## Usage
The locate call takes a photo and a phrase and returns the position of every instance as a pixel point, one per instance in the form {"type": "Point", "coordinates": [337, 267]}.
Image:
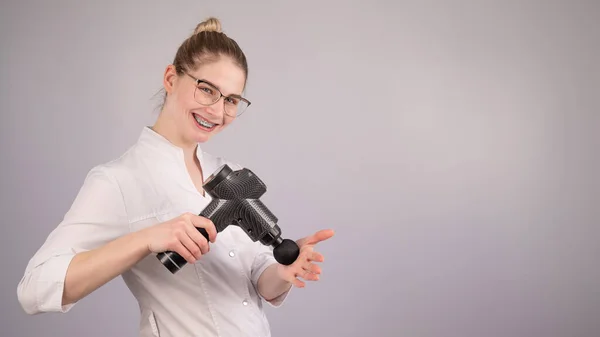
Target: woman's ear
{"type": "Point", "coordinates": [169, 78]}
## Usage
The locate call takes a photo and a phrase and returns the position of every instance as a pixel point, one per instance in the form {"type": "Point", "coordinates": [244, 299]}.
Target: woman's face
{"type": "Point", "coordinates": [192, 122]}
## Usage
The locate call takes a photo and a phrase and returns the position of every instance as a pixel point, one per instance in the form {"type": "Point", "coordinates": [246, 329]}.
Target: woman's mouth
{"type": "Point", "coordinates": [203, 123]}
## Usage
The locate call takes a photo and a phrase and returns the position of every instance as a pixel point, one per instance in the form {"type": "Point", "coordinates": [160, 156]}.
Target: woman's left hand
{"type": "Point", "coordinates": [304, 266]}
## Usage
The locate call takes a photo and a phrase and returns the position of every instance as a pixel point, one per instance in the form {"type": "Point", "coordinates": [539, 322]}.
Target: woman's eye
{"type": "Point", "coordinates": [231, 101]}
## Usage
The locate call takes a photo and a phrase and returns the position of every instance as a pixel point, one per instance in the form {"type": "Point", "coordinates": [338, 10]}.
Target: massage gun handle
{"type": "Point", "coordinates": [203, 232]}
{"type": "Point", "coordinates": [172, 260]}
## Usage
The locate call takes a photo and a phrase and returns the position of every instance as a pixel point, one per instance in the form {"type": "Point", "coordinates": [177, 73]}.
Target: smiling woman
{"type": "Point", "coordinates": [145, 201]}
{"type": "Point", "coordinates": [203, 86]}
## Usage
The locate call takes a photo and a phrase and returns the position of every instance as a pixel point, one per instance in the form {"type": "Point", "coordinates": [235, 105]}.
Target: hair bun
{"type": "Point", "coordinates": [211, 24]}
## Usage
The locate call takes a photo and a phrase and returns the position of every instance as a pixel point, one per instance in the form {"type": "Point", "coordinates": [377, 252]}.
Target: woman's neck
{"type": "Point", "coordinates": [169, 132]}
{"type": "Point", "coordinates": [167, 129]}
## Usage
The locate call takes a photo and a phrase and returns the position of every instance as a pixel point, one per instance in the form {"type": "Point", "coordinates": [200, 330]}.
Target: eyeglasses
{"type": "Point", "coordinates": [207, 94]}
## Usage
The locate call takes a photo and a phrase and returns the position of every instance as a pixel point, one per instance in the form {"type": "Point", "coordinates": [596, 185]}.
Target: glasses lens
{"type": "Point", "coordinates": [235, 107]}
{"type": "Point", "coordinates": [206, 94]}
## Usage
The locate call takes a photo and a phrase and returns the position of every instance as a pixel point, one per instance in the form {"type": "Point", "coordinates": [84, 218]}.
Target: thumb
{"type": "Point", "coordinates": [319, 236]}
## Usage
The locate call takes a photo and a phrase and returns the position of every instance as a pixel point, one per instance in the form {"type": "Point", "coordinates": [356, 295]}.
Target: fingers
{"type": "Point", "coordinates": [180, 249]}
{"type": "Point", "coordinates": [312, 268]}
{"type": "Point", "coordinates": [319, 236]}
{"type": "Point", "coordinates": [207, 224]}
{"type": "Point", "coordinates": [297, 283]}
{"type": "Point", "coordinates": [304, 268]}
{"type": "Point", "coordinates": [307, 270]}
{"type": "Point", "coordinates": [316, 256]}
{"type": "Point", "coordinates": [198, 238]}
{"type": "Point", "coordinates": [194, 248]}
{"type": "Point", "coordinates": [308, 273]}
{"type": "Point", "coordinates": [187, 240]}
{"type": "Point", "coordinates": [310, 276]}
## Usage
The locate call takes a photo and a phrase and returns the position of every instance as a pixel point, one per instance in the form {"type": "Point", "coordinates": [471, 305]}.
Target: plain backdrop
{"type": "Point", "coordinates": [452, 146]}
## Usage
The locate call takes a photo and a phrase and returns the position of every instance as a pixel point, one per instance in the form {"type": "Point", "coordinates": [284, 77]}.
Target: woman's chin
{"type": "Point", "coordinates": [201, 136]}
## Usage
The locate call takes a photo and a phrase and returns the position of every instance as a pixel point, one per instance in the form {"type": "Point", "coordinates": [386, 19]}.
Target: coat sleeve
{"type": "Point", "coordinates": [263, 258]}
{"type": "Point", "coordinates": [96, 216]}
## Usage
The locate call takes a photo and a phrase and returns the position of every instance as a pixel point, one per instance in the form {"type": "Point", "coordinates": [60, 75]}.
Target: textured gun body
{"type": "Point", "coordinates": [236, 201]}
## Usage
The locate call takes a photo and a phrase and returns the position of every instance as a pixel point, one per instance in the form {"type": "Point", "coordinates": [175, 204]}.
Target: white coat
{"type": "Point", "coordinates": [147, 185]}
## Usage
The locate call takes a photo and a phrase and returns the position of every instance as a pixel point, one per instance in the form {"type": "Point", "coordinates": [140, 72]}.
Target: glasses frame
{"type": "Point", "coordinates": [198, 81]}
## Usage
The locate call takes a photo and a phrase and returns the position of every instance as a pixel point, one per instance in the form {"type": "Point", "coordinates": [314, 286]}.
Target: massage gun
{"type": "Point", "coordinates": [236, 201]}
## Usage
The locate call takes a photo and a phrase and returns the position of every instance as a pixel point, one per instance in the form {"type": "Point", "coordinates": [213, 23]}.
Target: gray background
{"type": "Point", "coordinates": [452, 145]}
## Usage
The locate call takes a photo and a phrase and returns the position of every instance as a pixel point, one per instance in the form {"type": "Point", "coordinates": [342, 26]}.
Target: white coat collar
{"type": "Point", "coordinates": [161, 145]}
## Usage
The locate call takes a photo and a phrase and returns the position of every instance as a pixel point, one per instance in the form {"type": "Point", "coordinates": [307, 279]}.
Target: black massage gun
{"type": "Point", "coordinates": [235, 201]}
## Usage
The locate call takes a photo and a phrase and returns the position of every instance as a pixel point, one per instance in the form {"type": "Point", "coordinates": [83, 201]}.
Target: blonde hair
{"type": "Point", "coordinates": [211, 24]}
{"type": "Point", "coordinates": [207, 44]}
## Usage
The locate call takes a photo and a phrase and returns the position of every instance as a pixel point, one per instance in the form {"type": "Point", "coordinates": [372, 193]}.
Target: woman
{"type": "Point", "coordinates": [147, 201]}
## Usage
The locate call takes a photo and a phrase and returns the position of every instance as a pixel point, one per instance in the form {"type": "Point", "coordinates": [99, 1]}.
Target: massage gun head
{"type": "Point", "coordinates": [240, 193]}
{"type": "Point", "coordinates": [286, 252]}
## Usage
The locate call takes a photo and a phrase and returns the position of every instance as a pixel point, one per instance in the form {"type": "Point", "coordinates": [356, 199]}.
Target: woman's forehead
{"type": "Point", "coordinates": [224, 74]}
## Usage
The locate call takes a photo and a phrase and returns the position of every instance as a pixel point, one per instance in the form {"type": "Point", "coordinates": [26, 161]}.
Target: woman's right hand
{"type": "Point", "coordinates": [181, 235]}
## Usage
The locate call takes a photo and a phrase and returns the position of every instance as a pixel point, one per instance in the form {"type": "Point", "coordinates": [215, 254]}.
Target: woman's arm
{"type": "Point", "coordinates": [91, 269]}
{"type": "Point", "coordinates": [271, 285]}
{"type": "Point", "coordinates": [96, 217]}
{"type": "Point", "coordinates": [93, 244]}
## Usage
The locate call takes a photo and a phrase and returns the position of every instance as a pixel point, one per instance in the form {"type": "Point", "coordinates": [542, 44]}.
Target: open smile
{"type": "Point", "coordinates": [204, 124]}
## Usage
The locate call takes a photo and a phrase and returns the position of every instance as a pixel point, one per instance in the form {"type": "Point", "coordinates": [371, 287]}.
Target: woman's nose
{"type": "Point", "coordinates": [218, 108]}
